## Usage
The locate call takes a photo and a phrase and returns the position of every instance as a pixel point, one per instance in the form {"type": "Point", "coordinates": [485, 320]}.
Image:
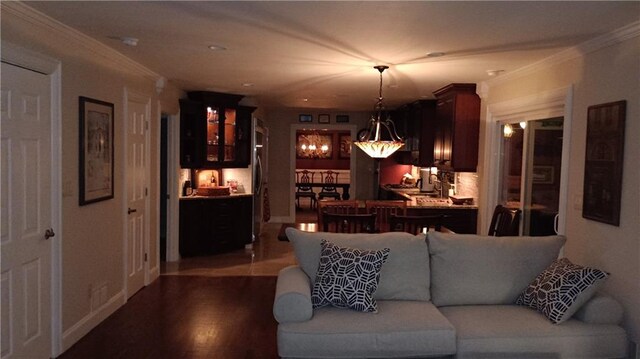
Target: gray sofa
{"type": "Point", "coordinates": [448, 296]}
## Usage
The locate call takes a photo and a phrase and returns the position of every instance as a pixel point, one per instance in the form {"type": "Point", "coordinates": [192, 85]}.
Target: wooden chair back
{"type": "Point", "coordinates": [329, 178]}
{"type": "Point", "coordinates": [505, 222]}
{"type": "Point", "coordinates": [383, 211]}
{"type": "Point", "coordinates": [415, 224]}
{"type": "Point", "coordinates": [303, 177]}
{"type": "Point", "coordinates": [336, 207]}
{"type": "Point", "coordinates": [348, 223]}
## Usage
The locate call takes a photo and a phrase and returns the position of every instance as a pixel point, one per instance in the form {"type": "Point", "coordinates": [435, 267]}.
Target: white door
{"type": "Point", "coordinates": [25, 196]}
{"type": "Point", "coordinates": [137, 164]}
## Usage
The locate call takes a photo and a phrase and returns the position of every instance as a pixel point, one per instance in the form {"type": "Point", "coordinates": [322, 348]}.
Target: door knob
{"type": "Point", "coordinates": [129, 211]}
{"type": "Point", "coordinates": [49, 233]}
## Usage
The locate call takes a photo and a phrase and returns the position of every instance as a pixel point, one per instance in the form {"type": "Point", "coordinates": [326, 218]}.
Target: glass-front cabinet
{"type": "Point", "coordinates": [214, 131]}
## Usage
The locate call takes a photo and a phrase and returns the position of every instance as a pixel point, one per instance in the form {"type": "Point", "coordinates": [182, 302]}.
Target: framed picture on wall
{"type": "Point", "coordinates": [314, 146]}
{"type": "Point", "coordinates": [96, 151]}
{"type": "Point", "coordinates": [345, 146]}
{"type": "Point", "coordinates": [603, 162]}
{"type": "Point", "coordinates": [323, 118]}
{"type": "Point", "coordinates": [342, 118]}
{"type": "Point", "coordinates": [305, 118]}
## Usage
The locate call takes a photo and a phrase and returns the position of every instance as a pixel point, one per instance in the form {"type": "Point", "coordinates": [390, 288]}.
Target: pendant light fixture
{"type": "Point", "coordinates": [373, 141]}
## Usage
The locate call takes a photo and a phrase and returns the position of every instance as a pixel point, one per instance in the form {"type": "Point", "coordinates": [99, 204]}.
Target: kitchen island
{"type": "Point", "coordinates": [460, 218]}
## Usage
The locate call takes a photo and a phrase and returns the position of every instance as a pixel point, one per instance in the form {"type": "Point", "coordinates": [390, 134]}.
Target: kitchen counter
{"type": "Point", "coordinates": [419, 199]}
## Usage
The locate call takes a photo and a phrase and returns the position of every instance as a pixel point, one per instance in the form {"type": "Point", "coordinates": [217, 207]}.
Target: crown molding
{"type": "Point", "coordinates": [55, 27]}
{"type": "Point", "coordinates": [614, 37]}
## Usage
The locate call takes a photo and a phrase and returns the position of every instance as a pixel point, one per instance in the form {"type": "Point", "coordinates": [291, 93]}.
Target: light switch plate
{"type": "Point", "coordinates": [577, 202]}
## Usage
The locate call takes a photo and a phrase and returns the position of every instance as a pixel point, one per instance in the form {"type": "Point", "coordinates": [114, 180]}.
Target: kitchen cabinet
{"type": "Point", "coordinates": [457, 128]}
{"type": "Point", "coordinates": [215, 131]}
{"type": "Point", "coordinates": [213, 225]}
{"type": "Point", "coordinates": [415, 123]}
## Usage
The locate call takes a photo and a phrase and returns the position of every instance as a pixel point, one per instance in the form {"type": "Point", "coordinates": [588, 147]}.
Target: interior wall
{"type": "Point", "coordinates": [91, 235]}
{"type": "Point", "coordinates": [606, 75]}
{"type": "Point", "coordinates": [279, 123]}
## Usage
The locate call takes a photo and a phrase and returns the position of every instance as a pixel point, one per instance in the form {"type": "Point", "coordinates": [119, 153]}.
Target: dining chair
{"type": "Point", "coordinates": [336, 207]}
{"type": "Point", "coordinates": [303, 189]}
{"type": "Point", "coordinates": [505, 222]}
{"type": "Point", "coordinates": [416, 224]}
{"type": "Point", "coordinates": [383, 210]}
{"type": "Point", "coordinates": [348, 223]}
{"type": "Point", "coordinates": [329, 179]}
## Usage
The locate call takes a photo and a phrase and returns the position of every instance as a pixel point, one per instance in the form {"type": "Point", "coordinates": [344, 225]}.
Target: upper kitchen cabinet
{"type": "Point", "coordinates": [415, 123]}
{"type": "Point", "coordinates": [215, 131]}
{"type": "Point", "coordinates": [457, 128]}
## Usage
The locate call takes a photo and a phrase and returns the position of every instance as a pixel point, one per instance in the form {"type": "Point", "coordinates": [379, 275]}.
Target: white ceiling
{"type": "Point", "coordinates": [324, 51]}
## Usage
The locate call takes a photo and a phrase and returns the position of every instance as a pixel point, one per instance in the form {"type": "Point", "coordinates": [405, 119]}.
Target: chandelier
{"type": "Point", "coordinates": [313, 146]}
{"type": "Point", "coordinates": [372, 141]}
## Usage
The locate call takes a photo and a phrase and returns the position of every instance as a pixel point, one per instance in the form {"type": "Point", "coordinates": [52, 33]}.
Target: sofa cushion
{"type": "Point", "coordinates": [471, 269]}
{"type": "Point", "coordinates": [561, 289]}
{"type": "Point", "coordinates": [347, 277]}
{"type": "Point", "coordinates": [404, 276]}
{"type": "Point", "coordinates": [400, 329]}
{"type": "Point", "coordinates": [511, 331]}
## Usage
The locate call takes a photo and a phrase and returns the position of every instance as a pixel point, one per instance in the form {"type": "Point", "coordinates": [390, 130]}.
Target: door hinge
{"type": "Point", "coordinates": [146, 125]}
{"type": "Point", "coordinates": [146, 191]}
{"type": "Point", "coordinates": [146, 257]}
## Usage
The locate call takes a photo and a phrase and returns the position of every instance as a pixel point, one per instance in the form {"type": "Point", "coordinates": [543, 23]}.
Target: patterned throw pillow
{"type": "Point", "coordinates": [347, 277]}
{"type": "Point", "coordinates": [561, 289]}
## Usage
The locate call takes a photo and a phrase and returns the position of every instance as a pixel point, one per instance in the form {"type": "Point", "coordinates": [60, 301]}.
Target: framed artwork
{"type": "Point", "coordinates": [603, 162]}
{"type": "Point", "coordinates": [345, 146]}
{"type": "Point", "coordinates": [305, 118]}
{"type": "Point", "coordinates": [543, 174]}
{"type": "Point", "coordinates": [323, 118]}
{"type": "Point", "coordinates": [342, 118]}
{"type": "Point", "coordinates": [96, 150]}
{"type": "Point", "coordinates": [314, 146]}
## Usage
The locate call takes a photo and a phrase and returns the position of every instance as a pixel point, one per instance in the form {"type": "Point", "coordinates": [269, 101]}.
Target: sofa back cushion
{"type": "Point", "coordinates": [476, 270]}
{"type": "Point", "coordinates": [404, 276]}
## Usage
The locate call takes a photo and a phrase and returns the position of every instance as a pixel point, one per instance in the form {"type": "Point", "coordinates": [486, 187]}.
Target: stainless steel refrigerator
{"type": "Point", "coordinates": [260, 167]}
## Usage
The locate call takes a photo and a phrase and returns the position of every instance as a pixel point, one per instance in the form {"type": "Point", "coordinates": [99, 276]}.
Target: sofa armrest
{"type": "Point", "coordinates": [293, 296]}
{"type": "Point", "coordinates": [600, 309]}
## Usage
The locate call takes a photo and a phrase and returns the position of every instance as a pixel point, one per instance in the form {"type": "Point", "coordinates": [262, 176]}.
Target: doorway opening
{"type": "Point", "coordinates": [530, 172]}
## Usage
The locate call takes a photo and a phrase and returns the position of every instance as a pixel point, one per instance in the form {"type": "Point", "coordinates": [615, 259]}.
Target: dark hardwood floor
{"type": "Point", "coordinates": [189, 317]}
{"type": "Point", "coordinates": [204, 307]}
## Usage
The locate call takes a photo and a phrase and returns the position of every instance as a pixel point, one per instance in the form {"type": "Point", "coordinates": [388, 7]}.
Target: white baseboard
{"type": "Point", "coordinates": [154, 273]}
{"type": "Point", "coordinates": [91, 320]}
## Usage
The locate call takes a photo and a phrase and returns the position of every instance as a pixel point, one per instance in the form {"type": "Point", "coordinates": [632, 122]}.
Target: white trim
{"type": "Point", "coordinates": [614, 37]}
{"type": "Point", "coordinates": [154, 272]}
{"type": "Point", "coordinates": [51, 67]}
{"type": "Point", "coordinates": [554, 103]}
{"type": "Point", "coordinates": [292, 161]}
{"type": "Point", "coordinates": [76, 38]}
{"type": "Point", "coordinates": [173, 186]}
{"type": "Point", "coordinates": [83, 326]}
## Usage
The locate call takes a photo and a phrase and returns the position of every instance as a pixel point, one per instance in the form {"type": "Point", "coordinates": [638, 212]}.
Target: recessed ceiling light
{"type": "Point", "coordinates": [247, 84]}
{"type": "Point", "coordinates": [494, 72]}
{"type": "Point", "coordinates": [305, 100]}
{"type": "Point", "coordinates": [129, 41]}
{"type": "Point", "coordinates": [217, 48]}
{"type": "Point", "coordinates": [435, 54]}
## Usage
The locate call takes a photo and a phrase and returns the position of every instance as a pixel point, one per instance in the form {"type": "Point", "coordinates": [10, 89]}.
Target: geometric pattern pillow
{"type": "Point", "coordinates": [347, 278]}
{"type": "Point", "coordinates": [561, 289]}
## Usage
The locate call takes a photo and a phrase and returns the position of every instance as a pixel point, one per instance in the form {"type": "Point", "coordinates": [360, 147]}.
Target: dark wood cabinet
{"type": "Point", "coordinates": [215, 131]}
{"type": "Point", "coordinates": [459, 220]}
{"type": "Point", "coordinates": [457, 128]}
{"type": "Point", "coordinates": [214, 225]}
{"type": "Point", "coordinates": [415, 123]}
